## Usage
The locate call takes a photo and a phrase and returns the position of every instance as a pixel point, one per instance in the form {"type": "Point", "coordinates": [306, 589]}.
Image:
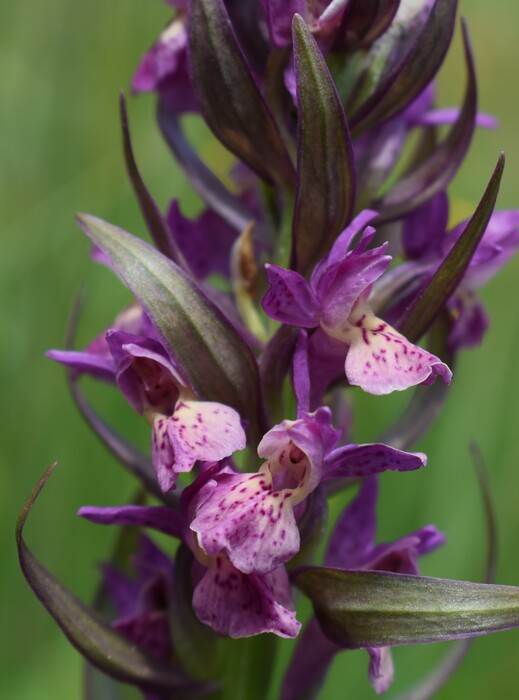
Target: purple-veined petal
{"type": "Point", "coordinates": [380, 669]}
{"type": "Point", "coordinates": [279, 14]}
{"type": "Point", "coordinates": [449, 115]}
{"type": "Point", "coordinates": [326, 362]}
{"type": "Point", "coordinates": [162, 454]}
{"type": "Point", "coordinates": [365, 460]}
{"type": "Point", "coordinates": [353, 536]}
{"type": "Point", "coordinates": [204, 430]}
{"type": "Point", "coordinates": [149, 630]}
{"type": "Point", "coordinates": [290, 298]}
{"type": "Point", "coordinates": [345, 282]}
{"type": "Point", "coordinates": [312, 657]}
{"type": "Point", "coordinates": [312, 434]}
{"type": "Point", "coordinates": [160, 518]}
{"type": "Point", "coordinates": [145, 374]}
{"type": "Point", "coordinates": [97, 366]}
{"type": "Point", "coordinates": [237, 605]}
{"type": "Point", "coordinates": [301, 375]}
{"type": "Point", "coordinates": [424, 228]}
{"type": "Point", "coordinates": [248, 521]}
{"type": "Point", "coordinates": [206, 241]}
{"type": "Point", "coordinates": [469, 321]}
{"type": "Point", "coordinates": [381, 360]}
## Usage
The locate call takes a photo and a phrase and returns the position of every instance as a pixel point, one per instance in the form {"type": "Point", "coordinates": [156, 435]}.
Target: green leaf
{"type": "Point", "coordinates": [155, 221]}
{"type": "Point", "coordinates": [232, 103]}
{"type": "Point", "coordinates": [429, 303]}
{"type": "Point", "coordinates": [436, 171]}
{"type": "Point", "coordinates": [325, 196]}
{"type": "Point", "coordinates": [211, 354]}
{"type": "Point", "coordinates": [92, 636]}
{"type": "Point", "coordinates": [192, 640]}
{"type": "Point", "coordinates": [359, 609]}
{"type": "Point", "coordinates": [413, 73]}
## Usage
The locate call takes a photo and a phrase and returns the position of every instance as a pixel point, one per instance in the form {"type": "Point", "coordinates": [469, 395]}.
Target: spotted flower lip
{"type": "Point", "coordinates": [231, 602]}
{"type": "Point", "coordinates": [250, 517]}
{"type": "Point", "coordinates": [378, 358]}
{"type": "Point", "coordinates": [184, 430]}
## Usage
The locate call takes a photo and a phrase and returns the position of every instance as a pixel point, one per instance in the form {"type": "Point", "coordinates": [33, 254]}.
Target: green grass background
{"type": "Point", "coordinates": [63, 63]}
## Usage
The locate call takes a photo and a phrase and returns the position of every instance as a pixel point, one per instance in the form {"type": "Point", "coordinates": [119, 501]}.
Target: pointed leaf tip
{"type": "Point", "coordinates": [429, 303]}
{"type": "Point", "coordinates": [325, 197]}
{"type": "Point", "coordinates": [231, 100]}
{"type": "Point", "coordinates": [92, 636]}
{"type": "Point", "coordinates": [155, 221]}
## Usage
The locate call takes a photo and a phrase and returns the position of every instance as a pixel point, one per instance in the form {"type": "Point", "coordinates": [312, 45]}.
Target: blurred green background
{"type": "Point", "coordinates": [63, 63]}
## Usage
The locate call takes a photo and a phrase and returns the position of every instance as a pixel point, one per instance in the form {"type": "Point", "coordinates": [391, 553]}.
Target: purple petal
{"type": "Point", "coordinates": [300, 374]}
{"type": "Point", "coordinates": [365, 460]}
{"type": "Point", "coordinates": [148, 630]}
{"type": "Point", "coordinates": [206, 241]}
{"type": "Point", "coordinates": [312, 657]}
{"type": "Point", "coordinates": [312, 434]}
{"type": "Point", "coordinates": [241, 605]}
{"type": "Point", "coordinates": [380, 360]}
{"type": "Point", "coordinates": [342, 285]}
{"type": "Point", "coordinates": [145, 374]}
{"type": "Point", "coordinates": [326, 362]}
{"type": "Point", "coordinates": [158, 518]}
{"type": "Point", "coordinates": [424, 229]}
{"type": "Point", "coordinates": [290, 298]}
{"type": "Point", "coordinates": [204, 430]}
{"type": "Point", "coordinates": [343, 243]}
{"type": "Point", "coordinates": [279, 14]}
{"type": "Point", "coordinates": [380, 670]}
{"type": "Point", "coordinates": [438, 117]}
{"type": "Point", "coordinates": [353, 536]}
{"type": "Point", "coordinates": [123, 591]}
{"type": "Point", "coordinates": [500, 241]}
{"type": "Point", "coordinates": [401, 556]}
{"type": "Point", "coordinates": [469, 324]}
{"type": "Point", "coordinates": [162, 455]}
{"type": "Point", "coordinates": [85, 363]}
{"type": "Point", "coordinates": [244, 518]}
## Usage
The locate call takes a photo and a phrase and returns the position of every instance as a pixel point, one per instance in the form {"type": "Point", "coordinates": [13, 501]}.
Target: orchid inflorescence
{"type": "Point", "coordinates": [312, 276]}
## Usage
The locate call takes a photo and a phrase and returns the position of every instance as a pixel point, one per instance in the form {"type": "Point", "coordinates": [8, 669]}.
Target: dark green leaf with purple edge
{"type": "Point", "coordinates": [436, 172]}
{"type": "Point", "coordinates": [412, 74]}
{"type": "Point", "coordinates": [92, 636]}
{"type": "Point", "coordinates": [432, 299]}
{"type": "Point", "coordinates": [325, 197]}
{"type": "Point", "coordinates": [232, 103]}
{"type": "Point", "coordinates": [366, 20]}
{"type": "Point", "coordinates": [155, 221]}
{"type": "Point", "coordinates": [217, 363]}
{"type": "Point", "coordinates": [360, 609]}
{"type": "Point", "coordinates": [204, 181]}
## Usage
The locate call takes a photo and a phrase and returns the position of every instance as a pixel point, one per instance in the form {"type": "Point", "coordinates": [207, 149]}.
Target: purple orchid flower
{"type": "Point", "coordinates": [427, 242]}
{"type": "Point", "coordinates": [141, 602]}
{"type": "Point", "coordinates": [378, 358]}
{"type": "Point", "coordinates": [253, 518]}
{"type": "Point", "coordinates": [352, 547]}
{"type": "Point", "coordinates": [231, 602]}
{"type": "Point", "coordinates": [164, 68]}
{"type": "Point", "coordinates": [184, 430]}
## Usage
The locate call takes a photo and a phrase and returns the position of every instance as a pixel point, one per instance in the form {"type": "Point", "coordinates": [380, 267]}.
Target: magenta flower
{"type": "Point", "coordinates": [378, 358]}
